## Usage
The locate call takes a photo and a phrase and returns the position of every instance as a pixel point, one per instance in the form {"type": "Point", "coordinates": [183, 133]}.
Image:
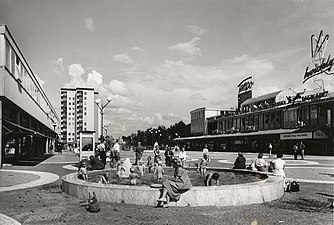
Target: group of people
{"type": "Point", "coordinates": [299, 149]}
{"type": "Point", "coordinates": [276, 166]}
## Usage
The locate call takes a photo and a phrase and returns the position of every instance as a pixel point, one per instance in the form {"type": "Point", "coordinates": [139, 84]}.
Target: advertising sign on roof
{"type": "Point", "coordinates": [245, 85]}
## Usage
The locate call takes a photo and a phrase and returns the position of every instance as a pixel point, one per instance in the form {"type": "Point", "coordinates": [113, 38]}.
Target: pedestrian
{"type": "Point", "coordinates": [149, 163]}
{"type": "Point", "coordinates": [240, 162]}
{"type": "Point", "coordinates": [102, 152]}
{"type": "Point", "coordinates": [302, 149]}
{"type": "Point", "coordinates": [138, 152]}
{"type": "Point", "coordinates": [116, 151]}
{"type": "Point", "coordinates": [278, 166]}
{"type": "Point", "coordinates": [202, 165]}
{"type": "Point", "coordinates": [206, 152]}
{"type": "Point", "coordinates": [270, 146]}
{"type": "Point", "coordinates": [157, 154]}
{"type": "Point", "coordinates": [174, 188]}
{"type": "Point", "coordinates": [159, 171]}
{"type": "Point", "coordinates": [96, 163]}
{"type": "Point", "coordinates": [260, 163]}
{"type": "Point", "coordinates": [82, 173]}
{"type": "Point", "coordinates": [133, 176]}
{"type": "Point", "coordinates": [169, 154]}
{"type": "Point", "coordinates": [295, 151]}
{"type": "Point", "coordinates": [183, 156]}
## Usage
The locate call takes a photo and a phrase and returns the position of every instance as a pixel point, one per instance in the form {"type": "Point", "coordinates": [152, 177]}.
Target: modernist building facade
{"type": "Point", "coordinates": [78, 113]}
{"type": "Point", "coordinates": [276, 118]}
{"type": "Point", "coordinates": [27, 117]}
{"type": "Point", "coordinates": [199, 125]}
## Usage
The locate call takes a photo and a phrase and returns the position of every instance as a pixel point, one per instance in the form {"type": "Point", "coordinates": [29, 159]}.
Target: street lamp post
{"type": "Point", "coordinates": [101, 108]}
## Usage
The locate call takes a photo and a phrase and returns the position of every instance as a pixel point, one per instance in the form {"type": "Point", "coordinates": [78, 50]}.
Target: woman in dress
{"type": "Point", "coordinates": [174, 188]}
{"type": "Point", "coordinates": [279, 165]}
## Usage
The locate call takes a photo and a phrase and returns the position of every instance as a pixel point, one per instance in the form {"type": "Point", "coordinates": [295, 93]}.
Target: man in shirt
{"type": "Point", "coordinates": [138, 152]}
{"type": "Point", "coordinates": [116, 149]}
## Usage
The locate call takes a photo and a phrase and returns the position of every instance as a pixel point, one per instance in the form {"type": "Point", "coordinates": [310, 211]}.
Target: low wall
{"type": "Point", "coordinates": [227, 195]}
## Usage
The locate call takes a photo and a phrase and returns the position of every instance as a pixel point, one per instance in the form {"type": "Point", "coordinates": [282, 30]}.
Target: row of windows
{"type": "Point", "coordinates": [15, 66]}
{"type": "Point", "coordinates": [310, 115]}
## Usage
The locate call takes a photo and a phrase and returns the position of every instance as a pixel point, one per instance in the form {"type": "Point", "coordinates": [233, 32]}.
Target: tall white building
{"type": "Point", "coordinates": [78, 113]}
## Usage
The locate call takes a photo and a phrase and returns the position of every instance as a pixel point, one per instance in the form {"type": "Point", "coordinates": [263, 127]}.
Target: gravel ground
{"type": "Point", "coordinates": [49, 205]}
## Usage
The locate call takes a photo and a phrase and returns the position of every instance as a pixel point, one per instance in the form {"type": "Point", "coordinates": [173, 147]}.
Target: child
{"type": "Point", "coordinates": [141, 167]}
{"type": "Point", "coordinates": [133, 176]}
{"type": "Point", "coordinates": [149, 164]}
{"type": "Point", "coordinates": [159, 170]}
{"type": "Point", "coordinates": [119, 169]}
{"type": "Point", "coordinates": [210, 177]}
{"type": "Point", "coordinates": [82, 173]}
{"type": "Point", "coordinates": [105, 178]}
{"type": "Point", "coordinates": [202, 165]}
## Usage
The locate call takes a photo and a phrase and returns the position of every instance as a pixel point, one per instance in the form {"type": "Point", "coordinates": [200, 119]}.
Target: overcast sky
{"type": "Point", "coordinates": [159, 60]}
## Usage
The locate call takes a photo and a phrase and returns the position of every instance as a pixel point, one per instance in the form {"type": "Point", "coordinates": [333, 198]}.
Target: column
{"type": "Point", "coordinates": [1, 144]}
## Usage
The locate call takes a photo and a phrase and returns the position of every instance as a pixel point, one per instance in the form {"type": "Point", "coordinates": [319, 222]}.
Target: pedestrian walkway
{"type": "Point", "coordinates": [12, 178]}
{"type": "Point", "coordinates": [21, 182]}
{"type": "Point", "coordinates": [6, 220]}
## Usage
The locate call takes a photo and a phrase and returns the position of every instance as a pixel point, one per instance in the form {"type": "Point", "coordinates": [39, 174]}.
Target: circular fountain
{"type": "Point", "coordinates": [261, 188]}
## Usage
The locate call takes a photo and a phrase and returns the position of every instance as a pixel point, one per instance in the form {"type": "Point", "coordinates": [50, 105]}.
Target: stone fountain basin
{"type": "Point", "coordinates": [258, 192]}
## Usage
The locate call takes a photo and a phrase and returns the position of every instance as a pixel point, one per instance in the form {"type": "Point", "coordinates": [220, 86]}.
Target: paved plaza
{"type": "Point", "coordinates": [32, 195]}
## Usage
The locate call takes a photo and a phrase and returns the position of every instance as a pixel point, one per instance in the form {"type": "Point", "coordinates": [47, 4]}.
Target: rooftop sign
{"type": "Point", "coordinates": [245, 85]}
{"type": "Point", "coordinates": [321, 65]}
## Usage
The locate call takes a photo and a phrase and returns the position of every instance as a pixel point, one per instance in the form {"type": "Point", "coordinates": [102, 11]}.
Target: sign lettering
{"type": "Point", "coordinates": [293, 136]}
{"type": "Point", "coordinates": [245, 85]}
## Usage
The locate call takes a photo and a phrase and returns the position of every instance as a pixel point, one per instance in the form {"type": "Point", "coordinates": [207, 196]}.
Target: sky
{"type": "Point", "coordinates": [160, 59]}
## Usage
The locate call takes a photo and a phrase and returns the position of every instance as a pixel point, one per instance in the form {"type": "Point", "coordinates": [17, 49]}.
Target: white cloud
{"type": "Point", "coordinates": [136, 48]}
{"type": "Point", "coordinates": [75, 70]}
{"type": "Point", "coordinates": [89, 24]}
{"type": "Point", "coordinates": [190, 48]}
{"type": "Point", "coordinates": [58, 65]}
{"type": "Point", "coordinates": [122, 58]}
{"type": "Point", "coordinates": [198, 31]}
{"type": "Point", "coordinates": [118, 87]}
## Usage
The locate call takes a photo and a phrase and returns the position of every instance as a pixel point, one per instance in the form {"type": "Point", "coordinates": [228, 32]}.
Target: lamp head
{"type": "Point", "coordinates": [109, 99]}
{"type": "Point", "coordinates": [98, 101]}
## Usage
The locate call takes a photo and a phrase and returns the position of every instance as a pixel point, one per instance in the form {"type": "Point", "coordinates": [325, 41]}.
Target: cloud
{"type": "Point", "coordinates": [198, 31]}
{"type": "Point", "coordinates": [122, 58]}
{"type": "Point", "coordinates": [118, 87]}
{"type": "Point", "coordinates": [117, 90]}
{"type": "Point", "coordinates": [89, 24]}
{"type": "Point", "coordinates": [58, 65]}
{"type": "Point", "coordinates": [76, 70]}
{"type": "Point", "coordinates": [138, 49]}
{"type": "Point", "coordinates": [190, 48]}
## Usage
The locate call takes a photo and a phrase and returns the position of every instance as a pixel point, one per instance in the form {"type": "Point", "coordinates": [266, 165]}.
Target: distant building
{"type": "Point", "coordinates": [27, 118]}
{"type": "Point", "coordinates": [199, 117]}
{"type": "Point", "coordinates": [78, 113]}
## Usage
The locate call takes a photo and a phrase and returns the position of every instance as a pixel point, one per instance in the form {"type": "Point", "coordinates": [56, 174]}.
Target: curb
{"type": "Point", "coordinates": [8, 220]}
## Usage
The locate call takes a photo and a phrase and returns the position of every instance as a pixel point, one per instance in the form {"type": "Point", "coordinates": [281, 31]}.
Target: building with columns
{"type": "Point", "coordinates": [27, 118]}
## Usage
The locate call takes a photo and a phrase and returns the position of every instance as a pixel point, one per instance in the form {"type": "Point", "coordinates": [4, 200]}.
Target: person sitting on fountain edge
{"type": "Point", "coordinates": [240, 162]}
{"type": "Point", "coordinates": [174, 188]}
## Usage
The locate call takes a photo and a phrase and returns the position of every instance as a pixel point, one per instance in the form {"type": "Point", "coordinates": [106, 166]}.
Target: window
{"type": "Point", "coordinates": [266, 118]}
{"type": "Point", "coordinates": [8, 56]}
{"type": "Point", "coordinates": [314, 112]}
